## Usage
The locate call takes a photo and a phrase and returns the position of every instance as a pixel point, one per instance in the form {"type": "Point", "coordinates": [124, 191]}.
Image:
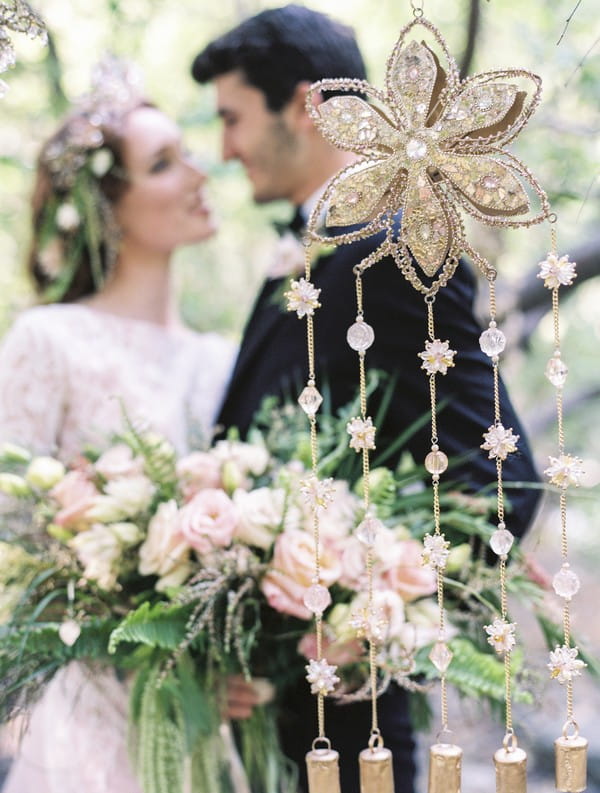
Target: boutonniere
{"type": "Point", "coordinates": [288, 262]}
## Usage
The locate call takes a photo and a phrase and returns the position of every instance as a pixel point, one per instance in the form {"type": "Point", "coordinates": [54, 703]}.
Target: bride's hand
{"type": "Point", "coordinates": [243, 696]}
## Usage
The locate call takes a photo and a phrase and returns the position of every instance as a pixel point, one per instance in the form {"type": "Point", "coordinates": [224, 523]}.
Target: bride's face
{"type": "Point", "coordinates": [164, 205]}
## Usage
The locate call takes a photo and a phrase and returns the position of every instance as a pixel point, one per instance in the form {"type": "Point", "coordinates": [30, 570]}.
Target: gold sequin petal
{"type": "Point", "coordinates": [350, 123]}
{"type": "Point", "coordinates": [476, 108]}
{"type": "Point", "coordinates": [488, 184]}
{"type": "Point", "coordinates": [411, 79]}
{"type": "Point", "coordinates": [427, 230]}
{"type": "Point", "coordinates": [360, 192]}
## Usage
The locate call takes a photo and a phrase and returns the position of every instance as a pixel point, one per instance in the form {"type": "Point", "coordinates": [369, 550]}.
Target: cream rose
{"type": "Point", "coordinates": [98, 550]}
{"type": "Point", "coordinates": [75, 494]}
{"type": "Point", "coordinates": [260, 514]}
{"type": "Point", "coordinates": [44, 472]}
{"type": "Point", "coordinates": [404, 572]}
{"type": "Point", "coordinates": [209, 520]}
{"type": "Point", "coordinates": [119, 461]}
{"type": "Point", "coordinates": [198, 471]}
{"type": "Point", "coordinates": [165, 552]}
{"type": "Point", "coordinates": [292, 569]}
{"type": "Point", "coordinates": [246, 458]}
{"type": "Point", "coordinates": [125, 497]}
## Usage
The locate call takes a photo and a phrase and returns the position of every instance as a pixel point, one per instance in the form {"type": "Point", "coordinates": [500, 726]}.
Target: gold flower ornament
{"type": "Point", "coordinates": [429, 146]}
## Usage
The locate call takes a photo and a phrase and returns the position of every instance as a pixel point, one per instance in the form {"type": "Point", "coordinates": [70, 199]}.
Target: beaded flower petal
{"type": "Point", "coordinates": [430, 145]}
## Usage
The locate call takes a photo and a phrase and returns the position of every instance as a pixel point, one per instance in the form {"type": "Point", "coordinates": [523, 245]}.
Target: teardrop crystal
{"type": "Point", "coordinates": [317, 598]}
{"type": "Point", "coordinates": [310, 400]}
{"type": "Point", "coordinates": [440, 656]}
{"type": "Point", "coordinates": [368, 529]}
{"type": "Point", "coordinates": [69, 632]}
{"type": "Point", "coordinates": [501, 541]}
{"type": "Point", "coordinates": [556, 371]}
{"type": "Point", "coordinates": [492, 341]}
{"type": "Point", "coordinates": [566, 582]}
{"type": "Point", "coordinates": [360, 336]}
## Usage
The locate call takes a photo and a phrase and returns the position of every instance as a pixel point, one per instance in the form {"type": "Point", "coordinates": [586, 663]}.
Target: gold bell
{"type": "Point", "coordinates": [511, 767]}
{"type": "Point", "coordinates": [570, 752]}
{"type": "Point", "coordinates": [322, 765]}
{"type": "Point", "coordinates": [376, 770]}
{"type": "Point", "coordinates": [444, 768]}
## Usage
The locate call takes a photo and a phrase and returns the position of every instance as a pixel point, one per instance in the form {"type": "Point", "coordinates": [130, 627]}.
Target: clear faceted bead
{"type": "Point", "coordinates": [436, 462]}
{"type": "Point", "coordinates": [317, 598]}
{"type": "Point", "coordinates": [556, 371]}
{"type": "Point", "coordinates": [566, 583]}
{"type": "Point", "coordinates": [310, 400]}
{"type": "Point", "coordinates": [492, 341]}
{"type": "Point", "coordinates": [440, 656]}
{"type": "Point", "coordinates": [501, 541]}
{"type": "Point", "coordinates": [368, 529]}
{"type": "Point", "coordinates": [360, 336]}
{"type": "Point", "coordinates": [416, 149]}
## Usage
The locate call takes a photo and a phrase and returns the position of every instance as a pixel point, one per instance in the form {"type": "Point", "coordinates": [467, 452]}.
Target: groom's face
{"type": "Point", "coordinates": [265, 142]}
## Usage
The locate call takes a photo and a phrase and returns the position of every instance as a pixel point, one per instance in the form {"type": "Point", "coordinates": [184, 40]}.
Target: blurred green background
{"type": "Point", "coordinates": [218, 279]}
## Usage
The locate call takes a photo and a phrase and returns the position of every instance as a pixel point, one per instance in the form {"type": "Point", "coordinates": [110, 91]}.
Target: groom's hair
{"type": "Point", "coordinates": [281, 47]}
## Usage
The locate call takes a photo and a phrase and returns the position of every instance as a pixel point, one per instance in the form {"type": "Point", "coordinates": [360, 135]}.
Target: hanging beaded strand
{"type": "Point", "coordinates": [445, 758]}
{"type": "Point", "coordinates": [375, 762]}
{"type": "Point", "coordinates": [322, 762]}
{"type": "Point", "coordinates": [564, 471]}
{"type": "Point", "coordinates": [510, 760]}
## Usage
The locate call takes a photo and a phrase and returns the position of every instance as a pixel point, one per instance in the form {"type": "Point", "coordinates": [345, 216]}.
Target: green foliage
{"type": "Point", "coordinates": [159, 625]}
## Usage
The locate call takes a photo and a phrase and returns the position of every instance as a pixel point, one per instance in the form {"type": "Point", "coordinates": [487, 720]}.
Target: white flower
{"type": "Point", "coordinates": [260, 514]}
{"type": "Point", "coordinates": [249, 458]}
{"type": "Point", "coordinates": [499, 442]}
{"type": "Point", "coordinates": [98, 550]}
{"type": "Point", "coordinates": [564, 664]}
{"type": "Point", "coordinates": [101, 162]}
{"type": "Point", "coordinates": [67, 217]}
{"type": "Point", "coordinates": [127, 533]}
{"type": "Point", "coordinates": [321, 676]}
{"type": "Point", "coordinates": [44, 472]}
{"type": "Point", "coordinates": [557, 272]}
{"type": "Point", "coordinates": [437, 357]}
{"type": "Point", "coordinates": [165, 552]}
{"type": "Point", "coordinates": [288, 257]}
{"type": "Point", "coordinates": [501, 635]}
{"type": "Point", "coordinates": [13, 485]}
{"type": "Point", "coordinates": [51, 258]}
{"type": "Point", "coordinates": [565, 470]}
{"type": "Point", "coordinates": [302, 298]}
{"type": "Point", "coordinates": [317, 493]}
{"type": "Point", "coordinates": [362, 433]}
{"type": "Point", "coordinates": [124, 497]}
{"type": "Point", "coordinates": [435, 551]}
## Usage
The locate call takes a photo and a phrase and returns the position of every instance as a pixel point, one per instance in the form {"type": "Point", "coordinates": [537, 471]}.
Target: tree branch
{"type": "Point", "coordinates": [472, 31]}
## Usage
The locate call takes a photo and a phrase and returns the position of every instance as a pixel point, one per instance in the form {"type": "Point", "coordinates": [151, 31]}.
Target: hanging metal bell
{"type": "Point", "coordinates": [376, 769]}
{"type": "Point", "coordinates": [322, 765]}
{"type": "Point", "coordinates": [570, 753]}
{"type": "Point", "coordinates": [511, 767]}
{"type": "Point", "coordinates": [445, 761]}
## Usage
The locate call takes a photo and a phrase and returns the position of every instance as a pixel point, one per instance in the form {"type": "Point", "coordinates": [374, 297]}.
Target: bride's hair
{"type": "Point", "coordinates": [80, 175]}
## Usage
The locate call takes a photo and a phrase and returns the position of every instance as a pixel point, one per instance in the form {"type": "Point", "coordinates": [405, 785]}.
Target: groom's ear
{"type": "Point", "coordinates": [296, 107]}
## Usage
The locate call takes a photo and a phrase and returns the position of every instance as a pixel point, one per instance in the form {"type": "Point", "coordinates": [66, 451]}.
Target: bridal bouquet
{"type": "Point", "coordinates": [180, 572]}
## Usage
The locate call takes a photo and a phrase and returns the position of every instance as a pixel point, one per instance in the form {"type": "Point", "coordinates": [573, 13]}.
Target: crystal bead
{"type": "Point", "coordinates": [492, 341]}
{"type": "Point", "coordinates": [367, 530]}
{"type": "Point", "coordinates": [353, 198]}
{"type": "Point", "coordinates": [436, 462]}
{"type": "Point", "coordinates": [501, 541]}
{"type": "Point", "coordinates": [69, 632]}
{"type": "Point", "coordinates": [440, 656]}
{"type": "Point", "coordinates": [317, 598]}
{"type": "Point", "coordinates": [310, 400]}
{"type": "Point", "coordinates": [416, 149]}
{"type": "Point", "coordinates": [490, 182]}
{"type": "Point", "coordinates": [360, 336]}
{"type": "Point", "coordinates": [556, 371]}
{"type": "Point", "coordinates": [566, 583]}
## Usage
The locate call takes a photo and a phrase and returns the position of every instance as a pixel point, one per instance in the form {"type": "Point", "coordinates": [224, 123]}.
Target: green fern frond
{"type": "Point", "coordinates": [159, 625]}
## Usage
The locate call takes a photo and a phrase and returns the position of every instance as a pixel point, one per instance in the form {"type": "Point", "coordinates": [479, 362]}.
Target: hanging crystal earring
{"type": "Point", "coordinates": [70, 630]}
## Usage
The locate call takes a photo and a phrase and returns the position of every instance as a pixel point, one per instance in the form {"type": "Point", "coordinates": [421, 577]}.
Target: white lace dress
{"type": "Point", "coordinates": [67, 372]}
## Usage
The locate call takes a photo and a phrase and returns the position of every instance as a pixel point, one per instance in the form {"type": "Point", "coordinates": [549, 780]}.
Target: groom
{"type": "Point", "coordinates": [261, 70]}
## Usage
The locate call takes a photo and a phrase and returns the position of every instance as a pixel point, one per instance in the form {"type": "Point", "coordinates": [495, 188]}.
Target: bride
{"type": "Point", "coordinates": [116, 193]}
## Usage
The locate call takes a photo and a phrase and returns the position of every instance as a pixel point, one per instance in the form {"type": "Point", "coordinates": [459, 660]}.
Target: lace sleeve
{"type": "Point", "coordinates": [32, 385]}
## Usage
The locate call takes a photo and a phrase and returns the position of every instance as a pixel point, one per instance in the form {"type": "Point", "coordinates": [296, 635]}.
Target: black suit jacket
{"type": "Point", "coordinates": [273, 361]}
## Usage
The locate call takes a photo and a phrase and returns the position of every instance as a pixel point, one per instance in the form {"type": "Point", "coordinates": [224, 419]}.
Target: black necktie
{"type": "Point", "coordinates": [297, 223]}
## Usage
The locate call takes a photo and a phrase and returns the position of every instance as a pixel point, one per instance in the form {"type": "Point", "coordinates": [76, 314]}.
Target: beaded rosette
{"type": "Point", "coordinates": [430, 148]}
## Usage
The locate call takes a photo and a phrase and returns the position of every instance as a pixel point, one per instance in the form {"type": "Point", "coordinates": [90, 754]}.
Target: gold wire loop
{"type": "Point", "coordinates": [417, 8]}
{"type": "Point", "coordinates": [376, 740]}
{"type": "Point", "coordinates": [321, 739]}
{"type": "Point", "coordinates": [570, 723]}
{"type": "Point", "coordinates": [552, 217]}
{"type": "Point", "coordinates": [510, 741]}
